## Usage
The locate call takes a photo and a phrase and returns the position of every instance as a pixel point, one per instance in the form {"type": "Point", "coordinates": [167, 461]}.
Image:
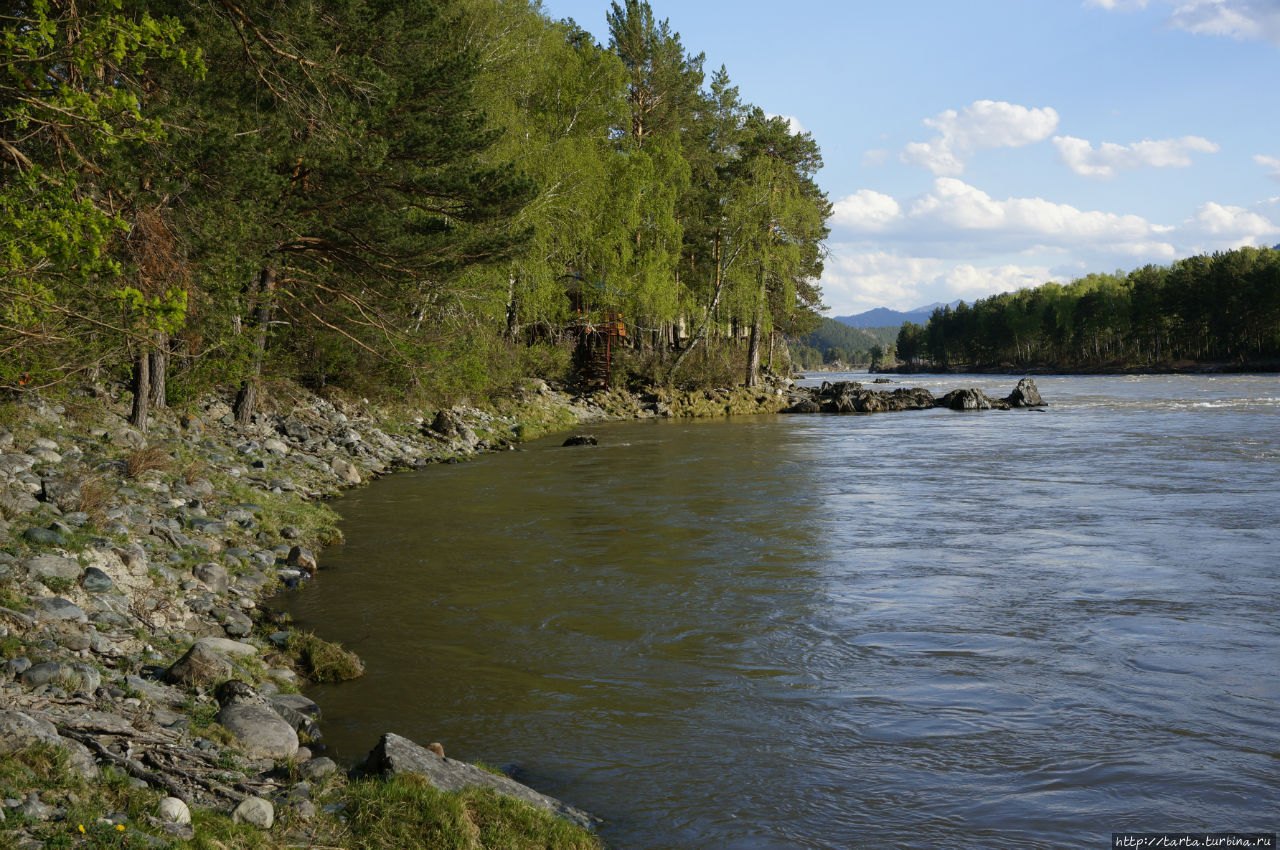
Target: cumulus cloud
{"type": "Point", "coordinates": [1269, 162]}
{"type": "Point", "coordinates": [957, 241]}
{"type": "Point", "coordinates": [1245, 20]}
{"type": "Point", "coordinates": [1109, 158]}
{"type": "Point", "coordinates": [983, 124]}
{"type": "Point", "coordinates": [856, 280]}
{"type": "Point", "coordinates": [865, 210]}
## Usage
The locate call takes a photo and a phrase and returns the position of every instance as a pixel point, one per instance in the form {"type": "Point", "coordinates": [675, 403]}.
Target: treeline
{"type": "Point", "coordinates": [1207, 308]}
{"type": "Point", "coordinates": [380, 194]}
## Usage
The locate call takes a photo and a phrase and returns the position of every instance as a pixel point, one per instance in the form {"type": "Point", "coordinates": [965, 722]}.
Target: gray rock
{"type": "Point", "coordinates": [302, 558]}
{"type": "Point", "coordinates": [32, 808]}
{"type": "Point", "coordinates": [396, 755]}
{"type": "Point", "coordinates": [214, 576]}
{"type": "Point", "coordinates": [57, 608]}
{"type": "Point", "coordinates": [133, 556]}
{"type": "Point", "coordinates": [255, 811]}
{"type": "Point", "coordinates": [87, 675]}
{"type": "Point", "coordinates": [1026, 394]}
{"type": "Point", "coordinates": [235, 623]}
{"type": "Point", "coordinates": [52, 566]}
{"type": "Point", "coordinates": [19, 731]}
{"type": "Point", "coordinates": [207, 526]}
{"type": "Point", "coordinates": [305, 809]}
{"type": "Point", "coordinates": [43, 674]}
{"type": "Point", "coordinates": [17, 502]}
{"type": "Point", "coordinates": [80, 759]}
{"type": "Point", "coordinates": [317, 768]}
{"type": "Point", "coordinates": [95, 580]}
{"type": "Point", "coordinates": [201, 666]}
{"type": "Point", "coordinates": [298, 703]}
{"type": "Point", "coordinates": [297, 430]}
{"type": "Point", "coordinates": [966, 399]}
{"type": "Point", "coordinates": [345, 470]}
{"type": "Point", "coordinates": [581, 440]}
{"type": "Point", "coordinates": [17, 666]}
{"type": "Point", "coordinates": [44, 537]}
{"type": "Point", "coordinates": [62, 492]}
{"type": "Point", "coordinates": [227, 647]}
{"type": "Point", "coordinates": [14, 463]}
{"type": "Point", "coordinates": [259, 731]}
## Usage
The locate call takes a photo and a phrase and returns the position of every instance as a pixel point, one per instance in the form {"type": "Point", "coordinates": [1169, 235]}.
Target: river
{"type": "Point", "coordinates": [1022, 628]}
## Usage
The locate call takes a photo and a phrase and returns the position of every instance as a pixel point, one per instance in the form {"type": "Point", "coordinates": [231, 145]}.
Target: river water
{"type": "Point", "coordinates": [1019, 629]}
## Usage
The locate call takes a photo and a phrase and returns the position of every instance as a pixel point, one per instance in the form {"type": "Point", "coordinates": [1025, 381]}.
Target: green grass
{"type": "Point", "coordinates": [322, 661]}
{"type": "Point", "coordinates": [407, 813]}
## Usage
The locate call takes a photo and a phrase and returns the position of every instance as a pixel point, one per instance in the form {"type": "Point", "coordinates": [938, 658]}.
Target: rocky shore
{"type": "Point", "coordinates": [149, 696]}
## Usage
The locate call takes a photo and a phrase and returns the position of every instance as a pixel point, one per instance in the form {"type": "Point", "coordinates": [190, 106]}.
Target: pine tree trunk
{"type": "Point", "coordinates": [247, 398]}
{"type": "Point", "coordinates": [141, 391]}
{"type": "Point", "coordinates": [159, 358]}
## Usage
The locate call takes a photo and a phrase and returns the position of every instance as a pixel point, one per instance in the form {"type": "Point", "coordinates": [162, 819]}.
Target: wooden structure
{"type": "Point", "coordinates": [599, 331]}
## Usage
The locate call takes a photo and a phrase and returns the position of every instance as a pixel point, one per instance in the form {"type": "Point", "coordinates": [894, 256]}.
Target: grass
{"type": "Point", "coordinates": [407, 813]}
{"type": "Point", "coordinates": [323, 661]}
{"type": "Point", "coordinates": [139, 461]}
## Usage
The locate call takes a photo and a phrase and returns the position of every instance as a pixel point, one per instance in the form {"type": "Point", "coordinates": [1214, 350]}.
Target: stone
{"type": "Point", "coordinates": [258, 730]}
{"type": "Point", "coordinates": [581, 440]}
{"type": "Point", "coordinates": [45, 567]}
{"type": "Point", "coordinates": [43, 674]}
{"type": "Point", "coordinates": [1026, 394]}
{"type": "Point", "coordinates": [19, 731]}
{"type": "Point", "coordinates": [276, 447]}
{"type": "Point", "coordinates": [227, 646]}
{"type": "Point", "coordinates": [236, 624]}
{"type": "Point", "coordinates": [396, 755]}
{"type": "Point", "coordinates": [201, 666]}
{"type": "Point", "coordinates": [214, 576]}
{"type": "Point", "coordinates": [255, 811]}
{"type": "Point", "coordinates": [14, 463]}
{"type": "Point", "coordinates": [173, 810]}
{"type": "Point", "coordinates": [345, 470]}
{"type": "Point", "coordinates": [61, 492]}
{"type": "Point", "coordinates": [297, 702]}
{"type": "Point", "coordinates": [85, 676]}
{"type": "Point", "coordinates": [317, 768]}
{"type": "Point", "coordinates": [95, 580]}
{"type": "Point", "coordinates": [302, 558]}
{"type": "Point", "coordinates": [297, 430]}
{"type": "Point", "coordinates": [79, 759]}
{"type": "Point", "coordinates": [966, 399]}
{"type": "Point", "coordinates": [57, 608]}
{"type": "Point", "coordinates": [43, 536]}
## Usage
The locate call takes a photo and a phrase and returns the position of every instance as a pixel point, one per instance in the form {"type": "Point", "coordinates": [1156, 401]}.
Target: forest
{"type": "Point", "coordinates": [1221, 308]}
{"type": "Point", "coordinates": [425, 198]}
{"type": "Point", "coordinates": [835, 345]}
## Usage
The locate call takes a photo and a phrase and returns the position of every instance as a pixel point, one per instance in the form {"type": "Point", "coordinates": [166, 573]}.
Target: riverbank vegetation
{"type": "Point", "coordinates": [425, 198]}
{"type": "Point", "coordinates": [1222, 308]}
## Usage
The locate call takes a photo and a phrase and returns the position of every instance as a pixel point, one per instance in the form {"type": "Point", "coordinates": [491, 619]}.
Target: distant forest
{"type": "Point", "coordinates": [1218, 308]}
{"type": "Point", "coordinates": [835, 344]}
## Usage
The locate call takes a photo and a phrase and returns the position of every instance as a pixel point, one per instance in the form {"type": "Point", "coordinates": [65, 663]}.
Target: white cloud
{"type": "Point", "coordinates": [1244, 20]}
{"type": "Point", "coordinates": [955, 204]}
{"type": "Point", "coordinates": [981, 125]}
{"type": "Point", "coordinates": [865, 210]}
{"type": "Point", "coordinates": [793, 123]}
{"type": "Point", "coordinates": [1103, 162]}
{"type": "Point", "coordinates": [957, 241]}
{"type": "Point", "coordinates": [1230, 226]}
{"type": "Point", "coordinates": [878, 156]}
{"type": "Point", "coordinates": [1270, 162]}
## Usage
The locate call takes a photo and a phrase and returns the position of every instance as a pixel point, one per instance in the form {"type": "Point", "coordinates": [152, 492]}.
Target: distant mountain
{"type": "Point", "coordinates": [882, 317]}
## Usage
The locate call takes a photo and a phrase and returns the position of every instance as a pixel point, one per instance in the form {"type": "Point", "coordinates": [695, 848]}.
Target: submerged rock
{"type": "Point", "coordinates": [581, 440]}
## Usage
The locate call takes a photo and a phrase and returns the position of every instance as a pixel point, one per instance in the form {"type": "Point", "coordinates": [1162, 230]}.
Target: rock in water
{"type": "Point", "coordinates": [396, 755]}
{"type": "Point", "coordinates": [1026, 394]}
{"type": "Point", "coordinates": [581, 440]}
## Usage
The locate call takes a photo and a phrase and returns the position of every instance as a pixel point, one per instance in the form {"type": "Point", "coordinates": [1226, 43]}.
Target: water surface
{"type": "Point", "coordinates": [832, 631]}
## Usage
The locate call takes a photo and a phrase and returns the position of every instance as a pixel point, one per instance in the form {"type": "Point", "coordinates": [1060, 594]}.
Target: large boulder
{"type": "Point", "coordinates": [396, 755]}
{"type": "Point", "coordinates": [966, 399]}
{"type": "Point", "coordinates": [201, 666]}
{"type": "Point", "coordinates": [258, 729]}
{"type": "Point", "coordinates": [52, 566]}
{"type": "Point", "coordinates": [19, 731]}
{"type": "Point", "coordinates": [1026, 394]}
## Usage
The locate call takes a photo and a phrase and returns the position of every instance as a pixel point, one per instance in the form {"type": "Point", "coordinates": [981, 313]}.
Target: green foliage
{"type": "Point", "coordinates": [323, 661]}
{"type": "Point", "coordinates": [1224, 306]}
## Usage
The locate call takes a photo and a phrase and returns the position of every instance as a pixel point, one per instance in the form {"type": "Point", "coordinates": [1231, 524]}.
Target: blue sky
{"type": "Point", "coordinates": [977, 147]}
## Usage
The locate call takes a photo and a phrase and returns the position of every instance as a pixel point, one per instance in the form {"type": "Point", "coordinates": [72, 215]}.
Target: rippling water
{"type": "Point", "coordinates": [1028, 628]}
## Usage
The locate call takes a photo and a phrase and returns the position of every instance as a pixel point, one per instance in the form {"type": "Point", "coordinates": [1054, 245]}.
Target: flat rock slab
{"type": "Point", "coordinates": [227, 646]}
{"type": "Point", "coordinates": [395, 755]}
{"type": "Point", "coordinates": [52, 566]}
{"type": "Point", "coordinates": [259, 730]}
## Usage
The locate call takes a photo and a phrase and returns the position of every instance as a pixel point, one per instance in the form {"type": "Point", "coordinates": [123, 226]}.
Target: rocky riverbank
{"type": "Point", "coordinates": [149, 696]}
{"type": "Point", "coordinates": [853, 397]}
{"type": "Point", "coordinates": [143, 675]}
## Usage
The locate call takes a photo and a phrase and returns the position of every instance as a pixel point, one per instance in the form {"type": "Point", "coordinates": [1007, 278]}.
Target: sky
{"type": "Point", "coordinates": [978, 147]}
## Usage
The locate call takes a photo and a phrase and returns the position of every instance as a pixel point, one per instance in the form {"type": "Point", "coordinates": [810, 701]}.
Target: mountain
{"type": "Point", "coordinates": [882, 317]}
